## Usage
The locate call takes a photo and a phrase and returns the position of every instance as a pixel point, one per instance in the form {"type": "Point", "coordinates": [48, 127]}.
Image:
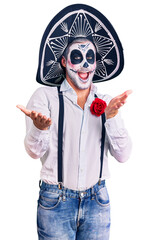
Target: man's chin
{"type": "Point", "coordinates": [84, 81]}
{"type": "Point", "coordinates": [83, 84]}
{"type": "Point", "coordinates": [80, 83]}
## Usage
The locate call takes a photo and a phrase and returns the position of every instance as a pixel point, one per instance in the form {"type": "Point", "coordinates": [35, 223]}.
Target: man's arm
{"type": "Point", "coordinates": [37, 123]}
{"type": "Point", "coordinates": [39, 120]}
{"type": "Point", "coordinates": [119, 141]}
{"type": "Point", "coordinates": [117, 102]}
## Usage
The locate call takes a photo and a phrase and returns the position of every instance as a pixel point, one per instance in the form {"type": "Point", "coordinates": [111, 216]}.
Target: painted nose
{"type": "Point", "coordinates": [85, 65]}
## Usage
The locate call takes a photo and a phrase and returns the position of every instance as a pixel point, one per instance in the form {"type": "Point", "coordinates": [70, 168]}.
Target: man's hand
{"type": "Point", "coordinates": [117, 102]}
{"type": "Point", "coordinates": [39, 120]}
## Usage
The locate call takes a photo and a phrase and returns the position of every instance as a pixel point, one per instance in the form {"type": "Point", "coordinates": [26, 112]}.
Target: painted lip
{"type": "Point", "coordinates": [83, 75]}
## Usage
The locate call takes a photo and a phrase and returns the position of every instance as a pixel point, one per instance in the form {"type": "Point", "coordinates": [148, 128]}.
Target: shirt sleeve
{"type": "Point", "coordinates": [37, 141]}
{"type": "Point", "coordinates": [120, 144]}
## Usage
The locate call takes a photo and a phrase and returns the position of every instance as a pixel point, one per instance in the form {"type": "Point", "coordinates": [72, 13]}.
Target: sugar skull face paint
{"type": "Point", "coordinates": [81, 64]}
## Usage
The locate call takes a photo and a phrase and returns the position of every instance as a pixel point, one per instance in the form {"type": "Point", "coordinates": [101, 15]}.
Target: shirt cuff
{"type": "Point", "coordinates": [115, 123]}
{"type": "Point", "coordinates": [37, 133]}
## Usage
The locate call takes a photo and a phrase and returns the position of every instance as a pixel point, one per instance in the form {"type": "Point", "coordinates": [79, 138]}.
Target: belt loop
{"type": "Point", "coordinates": [64, 196]}
{"type": "Point", "coordinates": [40, 183]}
{"type": "Point", "coordinates": [92, 193]}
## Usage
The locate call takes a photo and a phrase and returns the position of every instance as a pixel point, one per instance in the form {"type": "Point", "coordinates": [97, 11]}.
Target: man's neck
{"type": "Point", "coordinates": [81, 93]}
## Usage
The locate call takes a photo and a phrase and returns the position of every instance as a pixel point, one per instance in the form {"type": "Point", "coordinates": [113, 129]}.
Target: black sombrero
{"type": "Point", "coordinates": [73, 22]}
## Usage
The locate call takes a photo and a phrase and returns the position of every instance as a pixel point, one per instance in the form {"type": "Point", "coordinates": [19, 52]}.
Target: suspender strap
{"type": "Point", "coordinates": [103, 118]}
{"type": "Point", "coordinates": [60, 137]}
{"type": "Point", "coordinates": [102, 144]}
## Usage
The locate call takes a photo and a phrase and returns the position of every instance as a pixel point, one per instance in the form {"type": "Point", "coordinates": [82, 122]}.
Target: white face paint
{"type": "Point", "coordinates": [81, 64]}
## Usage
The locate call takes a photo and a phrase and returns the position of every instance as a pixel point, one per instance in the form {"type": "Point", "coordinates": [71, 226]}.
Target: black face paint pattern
{"type": "Point", "coordinates": [76, 57]}
{"type": "Point", "coordinates": [90, 56]}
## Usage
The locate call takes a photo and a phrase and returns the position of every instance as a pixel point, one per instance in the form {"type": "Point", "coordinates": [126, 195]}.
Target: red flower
{"type": "Point", "coordinates": [98, 107]}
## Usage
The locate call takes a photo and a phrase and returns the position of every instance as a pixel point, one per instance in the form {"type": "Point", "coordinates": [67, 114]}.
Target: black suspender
{"type": "Point", "coordinates": [60, 140]}
{"type": "Point", "coordinates": [103, 118]}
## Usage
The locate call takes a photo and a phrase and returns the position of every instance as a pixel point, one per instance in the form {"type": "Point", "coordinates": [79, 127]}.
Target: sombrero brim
{"type": "Point", "coordinates": [73, 22]}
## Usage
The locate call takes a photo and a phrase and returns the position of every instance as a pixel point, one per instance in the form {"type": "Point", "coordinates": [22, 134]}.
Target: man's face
{"type": "Point", "coordinates": [81, 64]}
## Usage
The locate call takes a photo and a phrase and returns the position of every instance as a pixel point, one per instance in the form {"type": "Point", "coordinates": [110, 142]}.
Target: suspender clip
{"type": "Point", "coordinates": [60, 185]}
{"type": "Point", "coordinates": [99, 181]}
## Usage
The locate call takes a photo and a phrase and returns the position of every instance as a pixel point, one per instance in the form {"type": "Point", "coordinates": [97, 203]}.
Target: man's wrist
{"type": "Point", "coordinates": [39, 127]}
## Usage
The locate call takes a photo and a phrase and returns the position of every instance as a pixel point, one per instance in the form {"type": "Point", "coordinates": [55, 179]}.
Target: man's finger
{"type": "Point", "coordinates": [122, 97]}
{"type": "Point", "coordinates": [48, 122]}
{"type": "Point", "coordinates": [126, 93]}
{"type": "Point", "coordinates": [43, 119]}
{"type": "Point", "coordinates": [25, 110]}
{"type": "Point", "coordinates": [118, 105]}
{"type": "Point", "coordinates": [39, 117]}
{"type": "Point", "coordinates": [33, 115]}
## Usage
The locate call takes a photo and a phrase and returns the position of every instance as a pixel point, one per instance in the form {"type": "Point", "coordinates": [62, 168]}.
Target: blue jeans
{"type": "Point", "coordinates": [73, 215]}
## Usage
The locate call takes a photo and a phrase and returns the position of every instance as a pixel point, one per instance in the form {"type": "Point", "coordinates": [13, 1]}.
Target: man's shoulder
{"type": "Point", "coordinates": [45, 92]}
{"type": "Point", "coordinates": [106, 97]}
{"type": "Point", "coordinates": [46, 89]}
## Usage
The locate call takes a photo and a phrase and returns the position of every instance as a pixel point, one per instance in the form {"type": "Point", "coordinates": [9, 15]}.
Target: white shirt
{"type": "Point", "coordinates": [81, 138]}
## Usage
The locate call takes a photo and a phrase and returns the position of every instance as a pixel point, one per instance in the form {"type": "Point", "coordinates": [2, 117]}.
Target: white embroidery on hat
{"type": "Point", "coordinates": [103, 44]}
{"type": "Point", "coordinates": [55, 71]}
{"type": "Point", "coordinates": [97, 27]}
{"type": "Point", "coordinates": [49, 63]}
{"type": "Point", "coordinates": [80, 27]}
{"type": "Point", "coordinates": [108, 61]}
{"type": "Point", "coordinates": [64, 27]}
{"type": "Point", "coordinates": [58, 46]}
{"type": "Point", "coordinates": [100, 69]}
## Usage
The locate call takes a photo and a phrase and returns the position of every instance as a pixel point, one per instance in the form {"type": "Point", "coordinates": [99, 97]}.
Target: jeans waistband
{"type": "Point", "coordinates": [70, 192]}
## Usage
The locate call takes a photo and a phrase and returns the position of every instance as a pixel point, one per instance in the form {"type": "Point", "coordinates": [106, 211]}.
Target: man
{"type": "Point", "coordinates": [73, 203]}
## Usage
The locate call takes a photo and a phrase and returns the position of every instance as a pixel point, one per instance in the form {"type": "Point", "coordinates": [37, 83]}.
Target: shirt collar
{"type": "Point", "coordinates": [93, 89]}
{"type": "Point", "coordinates": [70, 93]}
{"type": "Point", "coordinates": [65, 86]}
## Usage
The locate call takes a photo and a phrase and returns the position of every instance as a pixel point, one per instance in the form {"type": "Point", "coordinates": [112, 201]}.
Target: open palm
{"type": "Point", "coordinates": [39, 120]}
{"type": "Point", "coordinates": [117, 102]}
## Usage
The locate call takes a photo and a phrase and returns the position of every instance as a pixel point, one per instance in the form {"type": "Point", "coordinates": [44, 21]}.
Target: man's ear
{"type": "Point", "coordinates": [63, 61]}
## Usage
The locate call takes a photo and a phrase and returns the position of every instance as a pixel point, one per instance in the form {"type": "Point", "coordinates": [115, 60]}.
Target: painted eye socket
{"type": "Point", "coordinates": [90, 56]}
{"type": "Point", "coordinates": [76, 57]}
